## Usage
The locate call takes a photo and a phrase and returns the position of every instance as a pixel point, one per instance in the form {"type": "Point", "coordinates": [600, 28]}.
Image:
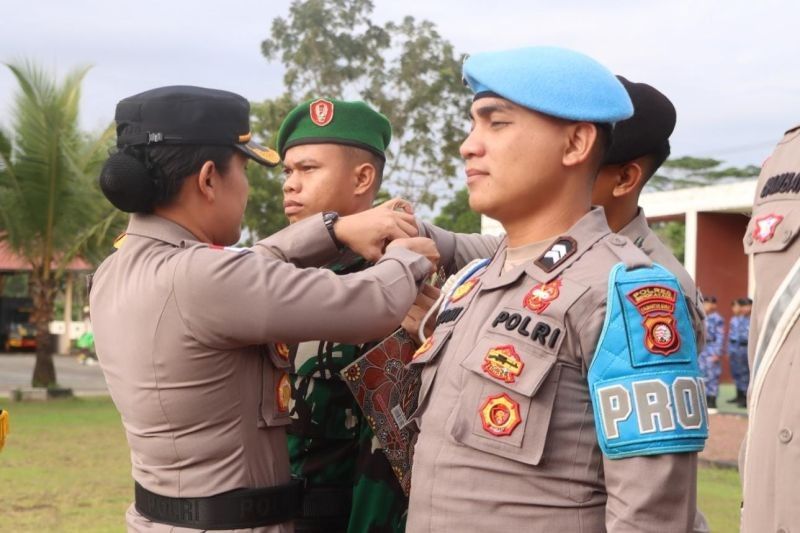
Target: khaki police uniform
{"type": "Point", "coordinates": [537, 466]}
{"type": "Point", "coordinates": [186, 332]}
{"type": "Point", "coordinates": [772, 453]}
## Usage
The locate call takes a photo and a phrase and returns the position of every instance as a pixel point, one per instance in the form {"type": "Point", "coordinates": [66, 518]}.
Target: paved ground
{"type": "Point", "coordinates": [16, 371]}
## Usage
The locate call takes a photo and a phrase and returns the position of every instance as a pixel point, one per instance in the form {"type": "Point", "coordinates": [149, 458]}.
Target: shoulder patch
{"type": "Point", "coordinates": [647, 394]}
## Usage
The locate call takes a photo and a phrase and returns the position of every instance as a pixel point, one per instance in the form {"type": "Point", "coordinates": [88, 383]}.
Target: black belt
{"type": "Point", "coordinates": [326, 509]}
{"type": "Point", "coordinates": [237, 509]}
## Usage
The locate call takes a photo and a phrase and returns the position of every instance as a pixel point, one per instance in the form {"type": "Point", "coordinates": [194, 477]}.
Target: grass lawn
{"type": "Point", "coordinates": [65, 468]}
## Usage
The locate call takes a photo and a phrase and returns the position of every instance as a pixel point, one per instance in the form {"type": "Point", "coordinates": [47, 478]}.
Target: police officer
{"type": "Point", "coordinates": [187, 328]}
{"type": "Point", "coordinates": [738, 330]}
{"type": "Point", "coordinates": [772, 463]}
{"type": "Point", "coordinates": [711, 353]}
{"type": "Point", "coordinates": [541, 407]}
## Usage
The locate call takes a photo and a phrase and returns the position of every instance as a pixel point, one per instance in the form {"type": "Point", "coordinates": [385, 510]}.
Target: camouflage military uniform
{"type": "Point", "coordinates": [714, 337]}
{"type": "Point", "coordinates": [738, 332]}
{"type": "Point", "coordinates": [332, 446]}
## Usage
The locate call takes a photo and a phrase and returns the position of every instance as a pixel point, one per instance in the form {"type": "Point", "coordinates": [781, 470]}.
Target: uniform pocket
{"type": "Point", "coordinates": [507, 399]}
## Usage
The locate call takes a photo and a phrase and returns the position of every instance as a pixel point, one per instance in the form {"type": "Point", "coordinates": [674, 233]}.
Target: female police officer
{"type": "Point", "coordinates": [189, 332]}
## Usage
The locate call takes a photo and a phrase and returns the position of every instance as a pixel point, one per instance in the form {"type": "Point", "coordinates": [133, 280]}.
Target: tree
{"type": "Point", "coordinates": [457, 216]}
{"type": "Point", "coordinates": [689, 171]}
{"type": "Point", "coordinates": [51, 209]}
{"type": "Point", "coordinates": [406, 70]}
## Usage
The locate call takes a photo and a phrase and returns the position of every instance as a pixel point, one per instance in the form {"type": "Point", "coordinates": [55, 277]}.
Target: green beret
{"type": "Point", "coordinates": [323, 121]}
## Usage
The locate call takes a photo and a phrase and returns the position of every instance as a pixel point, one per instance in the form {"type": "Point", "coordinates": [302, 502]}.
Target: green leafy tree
{"type": "Point", "coordinates": [405, 69]}
{"type": "Point", "coordinates": [688, 171]}
{"type": "Point", "coordinates": [51, 209]}
{"type": "Point", "coordinates": [673, 234]}
{"type": "Point", "coordinates": [457, 216]}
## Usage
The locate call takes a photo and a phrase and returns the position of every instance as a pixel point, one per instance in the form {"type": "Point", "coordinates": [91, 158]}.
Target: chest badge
{"type": "Point", "coordinates": [540, 296]}
{"type": "Point", "coordinates": [503, 363]}
{"type": "Point", "coordinates": [765, 227]}
{"type": "Point", "coordinates": [282, 349]}
{"type": "Point", "coordinates": [559, 251]}
{"type": "Point", "coordinates": [283, 393]}
{"type": "Point", "coordinates": [321, 112]}
{"type": "Point", "coordinates": [463, 289]}
{"type": "Point", "coordinates": [500, 415]}
{"type": "Point", "coordinates": [657, 307]}
{"type": "Point", "coordinates": [424, 348]}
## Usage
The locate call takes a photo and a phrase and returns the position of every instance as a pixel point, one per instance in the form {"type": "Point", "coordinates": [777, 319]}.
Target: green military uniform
{"type": "Point", "coordinates": [350, 482]}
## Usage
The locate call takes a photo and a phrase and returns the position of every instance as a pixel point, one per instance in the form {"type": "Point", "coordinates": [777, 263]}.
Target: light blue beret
{"type": "Point", "coordinates": [554, 81]}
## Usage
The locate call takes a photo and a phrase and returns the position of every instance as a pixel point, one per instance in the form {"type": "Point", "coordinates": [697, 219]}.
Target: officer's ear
{"type": "Point", "coordinates": [628, 179]}
{"type": "Point", "coordinates": [365, 174]}
{"type": "Point", "coordinates": [206, 180]}
{"type": "Point", "coordinates": [580, 140]}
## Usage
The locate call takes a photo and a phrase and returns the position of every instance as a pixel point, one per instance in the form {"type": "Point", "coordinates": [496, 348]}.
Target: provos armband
{"type": "Point", "coordinates": [647, 394]}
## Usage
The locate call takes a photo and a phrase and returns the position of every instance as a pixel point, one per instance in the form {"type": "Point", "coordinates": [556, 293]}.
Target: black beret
{"type": "Point", "coordinates": [183, 114]}
{"type": "Point", "coordinates": [648, 130]}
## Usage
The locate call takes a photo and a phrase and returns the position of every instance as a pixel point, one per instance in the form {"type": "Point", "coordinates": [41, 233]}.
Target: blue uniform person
{"type": "Point", "coordinates": [738, 333]}
{"type": "Point", "coordinates": [710, 356]}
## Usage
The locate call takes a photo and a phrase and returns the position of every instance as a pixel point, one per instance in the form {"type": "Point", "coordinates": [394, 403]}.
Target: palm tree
{"type": "Point", "coordinates": [51, 209]}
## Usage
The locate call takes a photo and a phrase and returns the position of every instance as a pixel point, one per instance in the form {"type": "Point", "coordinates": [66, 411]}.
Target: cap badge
{"type": "Point", "coordinates": [765, 227]}
{"type": "Point", "coordinates": [500, 415]}
{"type": "Point", "coordinates": [321, 112]}
{"type": "Point", "coordinates": [657, 306]}
{"type": "Point", "coordinates": [503, 363]}
{"type": "Point", "coordinates": [463, 289]}
{"type": "Point", "coordinates": [558, 252]}
{"type": "Point", "coordinates": [283, 393]}
{"type": "Point", "coordinates": [539, 297]}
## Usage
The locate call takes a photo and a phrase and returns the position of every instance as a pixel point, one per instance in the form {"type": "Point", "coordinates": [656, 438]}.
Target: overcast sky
{"type": "Point", "coordinates": [730, 67]}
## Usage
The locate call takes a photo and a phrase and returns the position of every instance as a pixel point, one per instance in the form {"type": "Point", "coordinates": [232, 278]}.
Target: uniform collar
{"type": "Point", "coordinates": [586, 232]}
{"type": "Point", "coordinates": [638, 231]}
{"type": "Point", "coordinates": [158, 228]}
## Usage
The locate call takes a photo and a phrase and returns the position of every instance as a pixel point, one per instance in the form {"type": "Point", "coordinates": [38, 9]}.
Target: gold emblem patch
{"type": "Point", "coordinates": [424, 348]}
{"type": "Point", "coordinates": [463, 289]}
{"type": "Point", "coordinates": [283, 393]}
{"type": "Point", "coordinates": [503, 363]}
{"type": "Point", "coordinates": [282, 349]}
{"type": "Point", "coordinates": [500, 415]}
{"type": "Point", "coordinates": [657, 307]}
{"type": "Point", "coordinates": [540, 296]}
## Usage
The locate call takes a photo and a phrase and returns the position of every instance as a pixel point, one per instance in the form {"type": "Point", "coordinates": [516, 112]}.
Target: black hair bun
{"type": "Point", "coordinates": [127, 184]}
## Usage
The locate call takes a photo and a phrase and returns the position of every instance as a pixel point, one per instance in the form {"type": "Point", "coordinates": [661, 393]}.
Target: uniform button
{"type": "Point", "coordinates": [787, 235]}
{"type": "Point", "coordinates": [749, 239]}
{"type": "Point", "coordinates": [785, 435]}
{"type": "Point", "coordinates": [618, 240]}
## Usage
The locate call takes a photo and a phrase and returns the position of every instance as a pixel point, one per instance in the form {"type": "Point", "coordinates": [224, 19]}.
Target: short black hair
{"type": "Point", "coordinates": [367, 156]}
{"type": "Point", "coordinates": [655, 159]}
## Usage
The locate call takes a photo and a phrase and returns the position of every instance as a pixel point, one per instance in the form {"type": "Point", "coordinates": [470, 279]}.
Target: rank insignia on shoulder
{"type": "Point", "coordinates": [424, 348]}
{"type": "Point", "coordinates": [539, 297]}
{"type": "Point", "coordinates": [503, 363]}
{"type": "Point", "coordinates": [282, 349]}
{"type": "Point", "coordinates": [321, 112]}
{"type": "Point", "coordinates": [765, 227]}
{"type": "Point", "coordinates": [557, 253]}
{"type": "Point", "coordinates": [500, 415]}
{"type": "Point", "coordinates": [283, 393]}
{"type": "Point", "coordinates": [463, 289]}
{"type": "Point", "coordinates": [657, 306]}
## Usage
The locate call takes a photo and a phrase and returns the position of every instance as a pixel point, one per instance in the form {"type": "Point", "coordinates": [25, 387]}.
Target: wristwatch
{"type": "Point", "coordinates": [329, 218]}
